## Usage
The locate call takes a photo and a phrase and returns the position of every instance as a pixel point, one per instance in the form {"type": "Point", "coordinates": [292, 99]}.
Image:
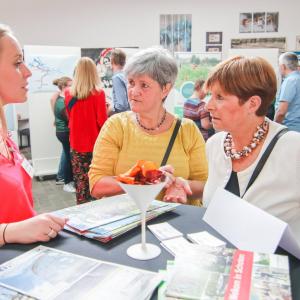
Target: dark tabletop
{"type": "Point", "coordinates": [187, 219]}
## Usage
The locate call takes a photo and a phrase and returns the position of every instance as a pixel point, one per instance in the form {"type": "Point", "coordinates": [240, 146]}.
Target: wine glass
{"type": "Point", "coordinates": [143, 195]}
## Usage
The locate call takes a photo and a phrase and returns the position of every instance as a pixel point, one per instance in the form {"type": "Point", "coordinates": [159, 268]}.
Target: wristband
{"type": "Point", "coordinates": [3, 234]}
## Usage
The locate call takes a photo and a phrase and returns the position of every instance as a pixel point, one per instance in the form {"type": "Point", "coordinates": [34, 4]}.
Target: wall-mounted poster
{"type": "Point", "coordinates": [213, 37]}
{"type": "Point", "coordinates": [101, 57]}
{"type": "Point", "coordinates": [259, 22]}
{"type": "Point", "coordinates": [46, 68]}
{"type": "Point", "coordinates": [277, 42]}
{"type": "Point", "coordinates": [272, 21]}
{"type": "Point", "coordinates": [193, 66]}
{"type": "Point", "coordinates": [214, 48]}
{"type": "Point", "coordinates": [176, 32]}
{"type": "Point", "coordinates": [245, 22]}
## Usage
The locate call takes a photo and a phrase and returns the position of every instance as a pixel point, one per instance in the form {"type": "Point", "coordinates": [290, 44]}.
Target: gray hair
{"type": "Point", "coordinates": [156, 62]}
{"type": "Point", "coordinates": [290, 60]}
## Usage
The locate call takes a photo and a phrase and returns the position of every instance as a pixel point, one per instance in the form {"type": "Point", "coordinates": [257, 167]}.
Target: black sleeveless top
{"type": "Point", "coordinates": [233, 184]}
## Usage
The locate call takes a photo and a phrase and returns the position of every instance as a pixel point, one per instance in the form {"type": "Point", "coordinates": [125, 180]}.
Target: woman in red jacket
{"type": "Point", "coordinates": [86, 106]}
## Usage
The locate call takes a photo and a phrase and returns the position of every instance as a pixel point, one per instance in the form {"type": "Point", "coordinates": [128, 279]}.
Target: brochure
{"type": "Point", "coordinates": [46, 273]}
{"type": "Point", "coordinates": [108, 218]}
{"type": "Point", "coordinates": [222, 273]}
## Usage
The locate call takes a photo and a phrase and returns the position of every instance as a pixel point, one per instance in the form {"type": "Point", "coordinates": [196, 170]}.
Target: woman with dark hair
{"type": "Point", "coordinates": [62, 130]}
{"type": "Point", "coordinates": [195, 109]}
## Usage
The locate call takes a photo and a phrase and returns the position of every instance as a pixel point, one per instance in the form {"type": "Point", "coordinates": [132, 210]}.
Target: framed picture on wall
{"type": "Point", "coordinates": [275, 42]}
{"type": "Point", "coordinates": [176, 32]}
{"type": "Point", "coordinates": [214, 37]}
{"type": "Point", "coordinates": [245, 22]}
{"type": "Point", "coordinates": [272, 21]}
{"type": "Point", "coordinates": [259, 22]}
{"type": "Point", "coordinates": [214, 48]}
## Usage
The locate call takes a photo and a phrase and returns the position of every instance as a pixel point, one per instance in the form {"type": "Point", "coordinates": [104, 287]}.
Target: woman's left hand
{"type": "Point", "coordinates": [178, 191]}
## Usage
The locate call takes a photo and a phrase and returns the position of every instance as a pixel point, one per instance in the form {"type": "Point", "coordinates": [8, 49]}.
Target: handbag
{"type": "Point", "coordinates": [264, 158]}
{"type": "Point", "coordinates": [171, 143]}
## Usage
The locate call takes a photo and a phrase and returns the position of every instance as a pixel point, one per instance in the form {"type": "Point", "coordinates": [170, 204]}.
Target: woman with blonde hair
{"type": "Point", "coordinates": [86, 107]}
{"type": "Point", "coordinates": [18, 220]}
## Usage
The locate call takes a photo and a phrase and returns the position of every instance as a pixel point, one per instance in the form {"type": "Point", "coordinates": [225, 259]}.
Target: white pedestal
{"type": "Point", "coordinates": [143, 253]}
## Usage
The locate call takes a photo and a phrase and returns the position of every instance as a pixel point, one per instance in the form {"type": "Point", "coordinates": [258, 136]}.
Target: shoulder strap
{"type": "Point", "coordinates": [171, 142]}
{"type": "Point", "coordinates": [72, 103]}
{"type": "Point", "coordinates": [264, 158]}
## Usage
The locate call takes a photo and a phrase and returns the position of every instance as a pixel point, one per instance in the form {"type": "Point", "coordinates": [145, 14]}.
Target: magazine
{"type": "Point", "coordinates": [110, 217]}
{"type": "Point", "coordinates": [46, 273]}
{"type": "Point", "coordinates": [223, 273]}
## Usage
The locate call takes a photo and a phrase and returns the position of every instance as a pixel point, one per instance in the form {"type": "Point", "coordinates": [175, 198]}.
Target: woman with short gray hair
{"type": "Point", "coordinates": [145, 131]}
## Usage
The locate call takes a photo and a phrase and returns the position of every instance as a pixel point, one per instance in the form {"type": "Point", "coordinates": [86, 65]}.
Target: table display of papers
{"type": "Point", "coordinates": [110, 217]}
{"type": "Point", "coordinates": [46, 273]}
{"type": "Point", "coordinates": [222, 273]}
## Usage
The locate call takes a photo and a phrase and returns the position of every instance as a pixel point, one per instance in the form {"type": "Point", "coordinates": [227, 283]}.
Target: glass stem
{"type": "Point", "coordinates": [143, 215]}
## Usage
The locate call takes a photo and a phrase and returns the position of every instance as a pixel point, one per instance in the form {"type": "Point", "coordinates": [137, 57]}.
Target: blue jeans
{"type": "Point", "coordinates": [63, 137]}
{"type": "Point", "coordinates": [61, 166]}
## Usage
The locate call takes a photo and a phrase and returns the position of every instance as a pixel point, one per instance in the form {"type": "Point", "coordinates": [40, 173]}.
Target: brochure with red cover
{"type": "Point", "coordinates": [228, 274]}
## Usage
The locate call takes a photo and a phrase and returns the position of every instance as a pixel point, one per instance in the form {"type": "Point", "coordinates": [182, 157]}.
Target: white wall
{"type": "Point", "coordinates": [94, 23]}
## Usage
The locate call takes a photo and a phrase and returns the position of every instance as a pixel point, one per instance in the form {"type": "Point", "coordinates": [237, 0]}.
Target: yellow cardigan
{"type": "Point", "coordinates": [121, 143]}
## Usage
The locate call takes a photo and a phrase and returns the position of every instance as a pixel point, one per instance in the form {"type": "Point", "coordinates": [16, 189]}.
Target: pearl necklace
{"type": "Point", "coordinates": [260, 133]}
{"type": "Point", "coordinates": [152, 128]}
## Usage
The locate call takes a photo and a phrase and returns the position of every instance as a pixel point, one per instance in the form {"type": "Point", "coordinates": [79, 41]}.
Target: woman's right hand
{"type": "Point", "coordinates": [178, 191]}
{"type": "Point", "coordinates": [168, 171]}
{"type": "Point", "coordinates": [40, 228]}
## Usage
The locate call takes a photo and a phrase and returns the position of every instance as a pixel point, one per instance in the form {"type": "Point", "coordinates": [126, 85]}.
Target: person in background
{"type": "Point", "coordinates": [241, 92]}
{"type": "Point", "coordinates": [119, 89]}
{"type": "Point", "coordinates": [86, 107]}
{"type": "Point", "coordinates": [194, 109]}
{"type": "Point", "coordinates": [62, 130]}
{"type": "Point", "coordinates": [145, 131]}
{"type": "Point", "coordinates": [288, 100]}
{"type": "Point", "coordinates": [60, 172]}
{"type": "Point", "coordinates": [18, 220]}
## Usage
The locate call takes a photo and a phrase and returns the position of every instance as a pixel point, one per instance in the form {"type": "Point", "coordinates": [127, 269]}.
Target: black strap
{"type": "Point", "coordinates": [171, 142]}
{"type": "Point", "coordinates": [72, 103]}
{"type": "Point", "coordinates": [264, 158]}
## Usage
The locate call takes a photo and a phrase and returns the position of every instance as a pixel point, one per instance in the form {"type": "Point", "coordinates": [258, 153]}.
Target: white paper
{"type": "Point", "coordinates": [176, 246]}
{"type": "Point", "coordinates": [247, 226]}
{"type": "Point", "coordinates": [206, 239]}
{"type": "Point", "coordinates": [164, 231]}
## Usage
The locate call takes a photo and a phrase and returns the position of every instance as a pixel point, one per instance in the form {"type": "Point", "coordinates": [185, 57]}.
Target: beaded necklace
{"type": "Point", "coordinates": [231, 152]}
{"type": "Point", "coordinates": [152, 128]}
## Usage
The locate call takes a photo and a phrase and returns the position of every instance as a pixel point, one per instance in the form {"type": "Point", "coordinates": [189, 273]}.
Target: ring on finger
{"type": "Point", "coordinates": [51, 233]}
